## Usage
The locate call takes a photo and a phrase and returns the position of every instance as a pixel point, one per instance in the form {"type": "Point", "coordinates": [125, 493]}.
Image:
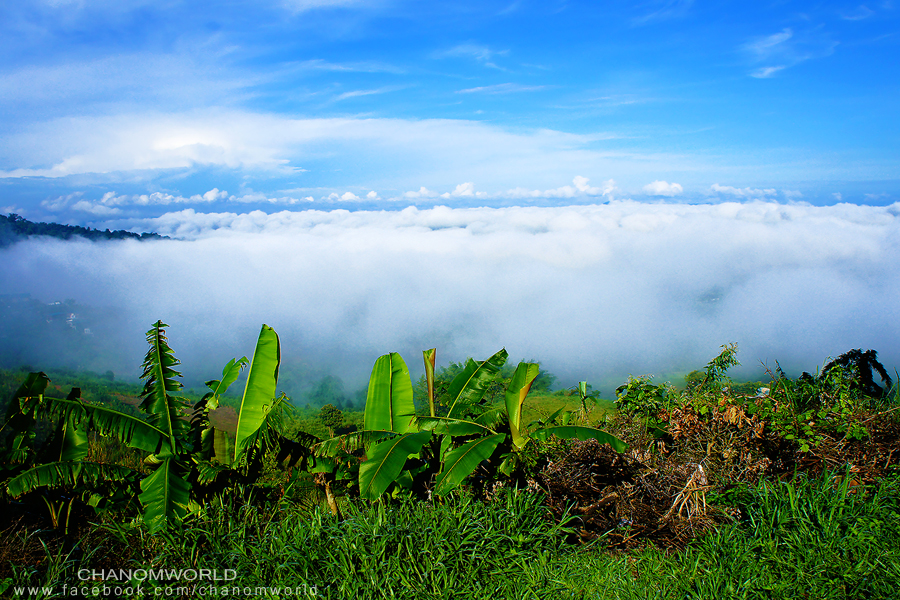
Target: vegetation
{"type": "Point", "coordinates": [14, 228]}
{"type": "Point", "coordinates": [449, 489]}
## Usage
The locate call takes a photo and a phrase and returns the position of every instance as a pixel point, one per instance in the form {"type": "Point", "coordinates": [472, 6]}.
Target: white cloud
{"type": "Point", "coordinates": [662, 10]}
{"type": "Point", "coordinates": [95, 208]}
{"type": "Point", "coordinates": [479, 52]}
{"type": "Point", "coordinates": [663, 188]}
{"type": "Point", "coordinates": [373, 195]}
{"type": "Point", "coordinates": [464, 190]}
{"type": "Point", "coordinates": [502, 88]}
{"type": "Point", "coordinates": [838, 196]}
{"type": "Point", "coordinates": [422, 192]}
{"type": "Point", "coordinates": [299, 6]}
{"type": "Point", "coordinates": [360, 93]}
{"type": "Point", "coordinates": [742, 192]}
{"type": "Point", "coordinates": [766, 72]}
{"type": "Point", "coordinates": [778, 51]}
{"type": "Point", "coordinates": [60, 202]}
{"type": "Point", "coordinates": [434, 149]}
{"type": "Point", "coordinates": [787, 278]}
{"type": "Point", "coordinates": [858, 14]}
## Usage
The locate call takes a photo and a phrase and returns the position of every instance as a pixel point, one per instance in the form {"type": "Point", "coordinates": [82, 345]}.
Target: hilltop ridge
{"type": "Point", "coordinates": [14, 228]}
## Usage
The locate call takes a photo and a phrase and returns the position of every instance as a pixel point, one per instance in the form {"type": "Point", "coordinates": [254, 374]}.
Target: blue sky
{"type": "Point", "coordinates": [116, 111]}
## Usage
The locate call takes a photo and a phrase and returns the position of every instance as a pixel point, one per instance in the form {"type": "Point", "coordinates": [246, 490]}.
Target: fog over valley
{"type": "Point", "coordinates": [593, 292]}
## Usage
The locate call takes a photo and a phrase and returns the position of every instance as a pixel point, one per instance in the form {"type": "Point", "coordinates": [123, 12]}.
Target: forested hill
{"type": "Point", "coordinates": [14, 228]}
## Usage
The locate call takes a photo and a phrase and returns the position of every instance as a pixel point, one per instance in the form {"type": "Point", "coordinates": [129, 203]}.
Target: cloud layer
{"type": "Point", "coordinates": [594, 292]}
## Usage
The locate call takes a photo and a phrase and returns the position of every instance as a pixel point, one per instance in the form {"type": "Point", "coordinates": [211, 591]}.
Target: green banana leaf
{"type": "Point", "coordinates": [73, 442]}
{"type": "Point", "coordinates": [165, 496]}
{"type": "Point", "coordinates": [222, 449]}
{"type": "Point", "coordinates": [65, 474]}
{"type": "Point", "coordinates": [453, 427]}
{"type": "Point", "coordinates": [389, 402]}
{"type": "Point", "coordinates": [461, 462]}
{"type": "Point", "coordinates": [518, 389]}
{"type": "Point", "coordinates": [349, 442]}
{"type": "Point", "coordinates": [218, 387]}
{"type": "Point", "coordinates": [203, 433]}
{"type": "Point", "coordinates": [568, 432]}
{"type": "Point", "coordinates": [19, 425]}
{"type": "Point", "coordinates": [386, 461]}
{"type": "Point", "coordinates": [33, 387]}
{"type": "Point", "coordinates": [429, 356]}
{"type": "Point", "coordinates": [259, 391]}
{"type": "Point", "coordinates": [164, 410]}
{"type": "Point", "coordinates": [470, 385]}
{"type": "Point", "coordinates": [130, 430]}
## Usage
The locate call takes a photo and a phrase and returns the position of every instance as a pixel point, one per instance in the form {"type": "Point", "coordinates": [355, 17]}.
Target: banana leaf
{"type": "Point", "coordinates": [165, 496]}
{"type": "Point", "coordinates": [518, 389]}
{"type": "Point", "coordinates": [568, 432]}
{"type": "Point", "coordinates": [65, 474]}
{"type": "Point", "coordinates": [453, 427]}
{"type": "Point", "coordinates": [259, 391]}
{"type": "Point", "coordinates": [462, 462]}
{"type": "Point", "coordinates": [164, 410]}
{"type": "Point", "coordinates": [350, 442]}
{"type": "Point", "coordinates": [130, 430]}
{"type": "Point", "coordinates": [386, 462]}
{"type": "Point", "coordinates": [389, 402]}
{"type": "Point", "coordinates": [470, 385]}
{"type": "Point", "coordinates": [19, 425]}
{"type": "Point", "coordinates": [429, 356]}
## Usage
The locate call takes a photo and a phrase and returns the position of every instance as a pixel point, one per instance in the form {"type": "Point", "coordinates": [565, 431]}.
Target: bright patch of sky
{"type": "Point", "coordinates": [132, 109]}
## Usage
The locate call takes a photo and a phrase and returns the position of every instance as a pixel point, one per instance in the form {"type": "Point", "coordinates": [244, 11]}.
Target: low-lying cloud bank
{"type": "Point", "coordinates": [594, 292]}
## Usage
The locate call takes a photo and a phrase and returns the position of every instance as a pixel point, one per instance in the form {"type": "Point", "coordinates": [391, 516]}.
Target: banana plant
{"type": "Point", "coordinates": [403, 449]}
{"type": "Point", "coordinates": [185, 456]}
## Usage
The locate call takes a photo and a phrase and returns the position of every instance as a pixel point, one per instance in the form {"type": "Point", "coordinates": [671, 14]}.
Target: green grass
{"type": "Point", "coordinates": [806, 539]}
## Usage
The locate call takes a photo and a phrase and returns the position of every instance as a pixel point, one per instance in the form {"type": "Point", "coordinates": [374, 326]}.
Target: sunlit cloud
{"type": "Point", "coordinates": [663, 188]}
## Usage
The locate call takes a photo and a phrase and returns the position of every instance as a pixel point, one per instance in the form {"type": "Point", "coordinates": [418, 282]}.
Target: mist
{"type": "Point", "coordinates": [592, 292]}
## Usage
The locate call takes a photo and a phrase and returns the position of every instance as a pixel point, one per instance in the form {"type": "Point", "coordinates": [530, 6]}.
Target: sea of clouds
{"type": "Point", "coordinates": [594, 292]}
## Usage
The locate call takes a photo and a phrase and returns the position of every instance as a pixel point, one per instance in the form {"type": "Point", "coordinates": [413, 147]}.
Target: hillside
{"type": "Point", "coordinates": [14, 228]}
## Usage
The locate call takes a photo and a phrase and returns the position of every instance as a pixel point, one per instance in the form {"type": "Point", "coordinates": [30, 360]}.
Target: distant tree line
{"type": "Point", "coordinates": [14, 228]}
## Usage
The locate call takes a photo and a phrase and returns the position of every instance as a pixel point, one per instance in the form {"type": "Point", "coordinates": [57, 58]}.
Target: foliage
{"type": "Point", "coordinates": [13, 227]}
{"type": "Point", "coordinates": [808, 409]}
{"type": "Point", "coordinates": [189, 459]}
{"type": "Point", "coordinates": [331, 417]}
{"type": "Point", "coordinates": [465, 429]}
{"type": "Point", "coordinates": [641, 400]}
{"type": "Point", "coordinates": [509, 548]}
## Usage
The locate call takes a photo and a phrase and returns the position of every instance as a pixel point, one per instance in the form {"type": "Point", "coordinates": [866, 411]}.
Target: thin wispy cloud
{"type": "Point", "coordinates": [787, 48]}
{"type": "Point", "coordinates": [662, 10]}
{"type": "Point", "coordinates": [361, 93]}
{"type": "Point", "coordinates": [502, 88]}
{"type": "Point", "coordinates": [481, 53]}
{"type": "Point", "coordinates": [318, 64]}
{"type": "Point", "coordinates": [299, 6]}
{"type": "Point", "coordinates": [728, 190]}
{"type": "Point", "coordinates": [858, 14]}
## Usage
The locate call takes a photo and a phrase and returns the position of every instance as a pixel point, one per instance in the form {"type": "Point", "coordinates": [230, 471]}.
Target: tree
{"type": "Point", "coordinates": [331, 417]}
